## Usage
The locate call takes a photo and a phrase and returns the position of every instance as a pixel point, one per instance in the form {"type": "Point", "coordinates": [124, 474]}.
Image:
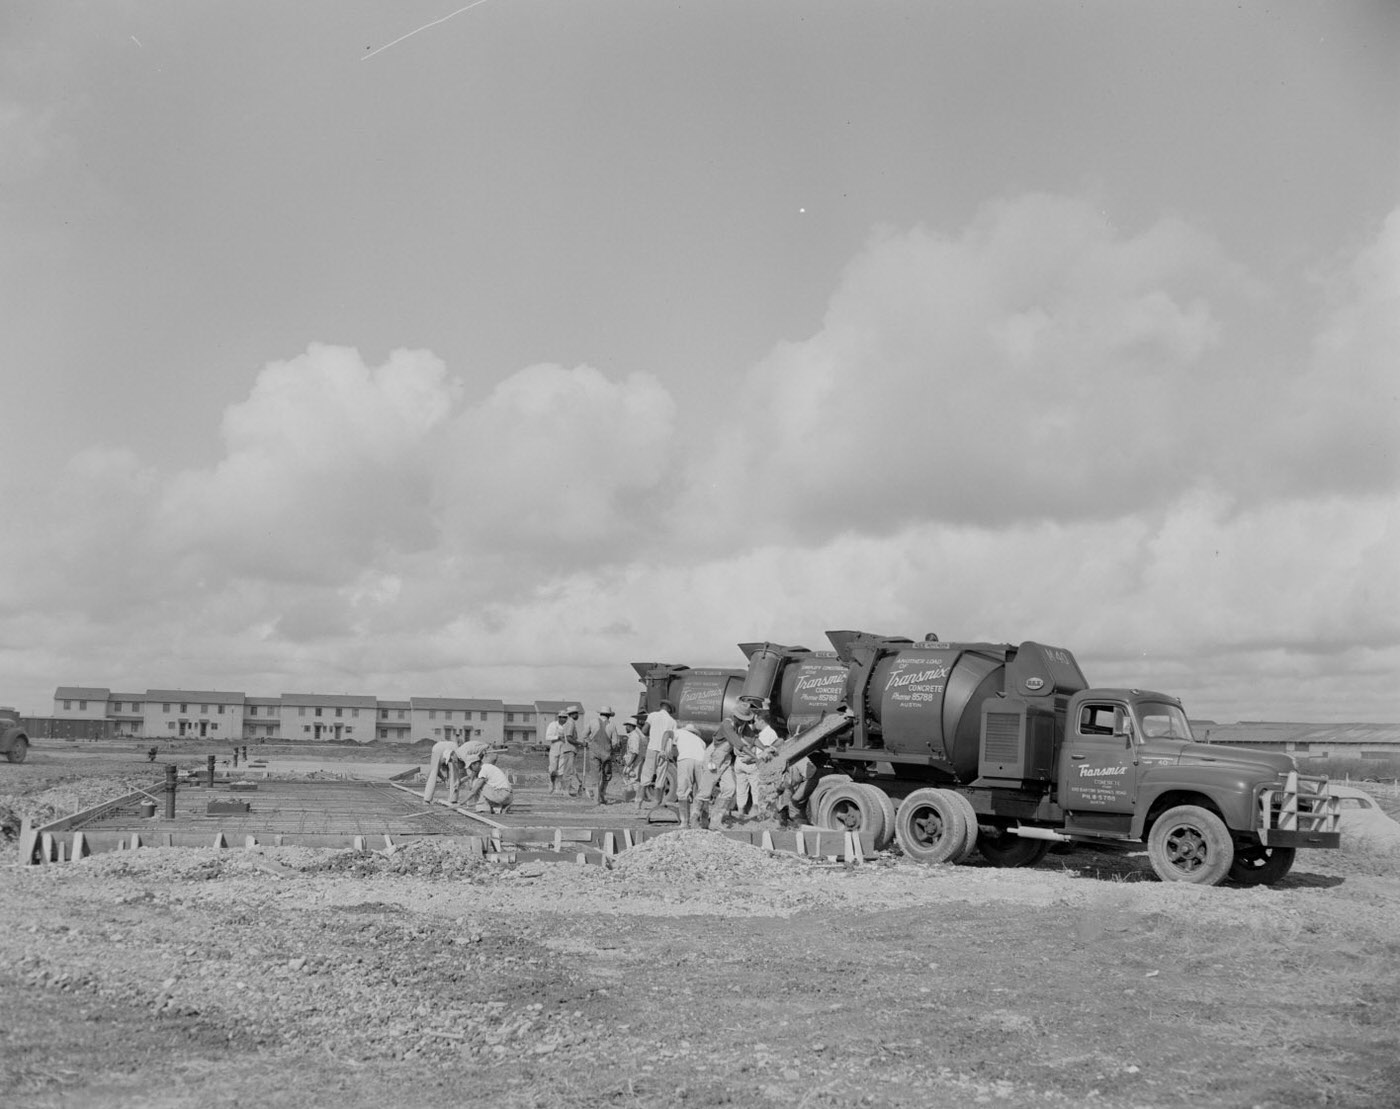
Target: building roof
{"type": "Point", "coordinates": [511, 707]}
{"type": "Point", "coordinates": [330, 700]}
{"type": "Point", "coordinates": [1261, 731]}
{"type": "Point", "coordinates": [474, 704]}
{"type": "Point", "coordinates": [203, 696]}
{"type": "Point", "coordinates": [80, 693]}
{"type": "Point", "coordinates": [396, 704]}
{"type": "Point", "coordinates": [551, 708]}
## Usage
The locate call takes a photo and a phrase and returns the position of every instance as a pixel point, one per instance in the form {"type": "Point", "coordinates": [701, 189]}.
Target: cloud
{"type": "Point", "coordinates": [324, 467]}
{"type": "Point", "coordinates": [1037, 428]}
{"type": "Point", "coordinates": [1043, 365]}
{"type": "Point", "coordinates": [556, 465]}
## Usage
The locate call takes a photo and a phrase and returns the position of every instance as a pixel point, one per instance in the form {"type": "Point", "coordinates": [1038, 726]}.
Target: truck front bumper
{"type": "Point", "coordinates": [1276, 837]}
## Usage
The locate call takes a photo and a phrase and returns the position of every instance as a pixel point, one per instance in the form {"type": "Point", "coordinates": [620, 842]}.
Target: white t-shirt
{"type": "Point", "coordinates": [658, 724]}
{"type": "Point", "coordinates": [768, 737]}
{"type": "Point", "coordinates": [494, 775]}
{"type": "Point", "coordinates": [689, 745]}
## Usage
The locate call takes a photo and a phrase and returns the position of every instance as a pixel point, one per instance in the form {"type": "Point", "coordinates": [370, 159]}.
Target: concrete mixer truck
{"type": "Point", "coordinates": [951, 748]}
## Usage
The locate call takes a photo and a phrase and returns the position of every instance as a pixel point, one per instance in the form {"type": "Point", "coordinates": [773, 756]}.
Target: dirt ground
{"type": "Point", "coordinates": [696, 971]}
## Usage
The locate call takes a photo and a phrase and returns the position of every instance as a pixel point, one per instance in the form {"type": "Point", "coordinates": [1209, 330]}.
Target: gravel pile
{"type": "Point", "coordinates": [63, 798]}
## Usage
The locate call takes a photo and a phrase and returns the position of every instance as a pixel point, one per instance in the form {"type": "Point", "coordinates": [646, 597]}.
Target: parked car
{"type": "Point", "coordinates": [1363, 820]}
{"type": "Point", "coordinates": [14, 743]}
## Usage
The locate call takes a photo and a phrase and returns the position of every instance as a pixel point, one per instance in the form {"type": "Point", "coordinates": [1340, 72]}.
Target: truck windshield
{"type": "Point", "coordinates": [1161, 721]}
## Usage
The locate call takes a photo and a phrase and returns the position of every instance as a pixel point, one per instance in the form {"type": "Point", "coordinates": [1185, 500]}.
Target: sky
{"type": "Point", "coordinates": [411, 350]}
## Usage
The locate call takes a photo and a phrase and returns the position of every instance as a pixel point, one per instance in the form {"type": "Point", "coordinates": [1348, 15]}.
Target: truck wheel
{"type": "Point", "coordinates": [819, 791]}
{"type": "Point", "coordinates": [887, 811]}
{"type": "Point", "coordinates": [1190, 844]}
{"type": "Point", "coordinates": [930, 826]}
{"type": "Point", "coordinates": [849, 807]}
{"type": "Point", "coordinates": [18, 750]}
{"type": "Point", "coordinates": [1261, 866]}
{"type": "Point", "coordinates": [970, 815]}
{"type": "Point", "coordinates": [1007, 850]}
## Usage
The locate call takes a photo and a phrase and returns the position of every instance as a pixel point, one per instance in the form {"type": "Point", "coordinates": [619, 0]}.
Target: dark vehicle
{"type": "Point", "coordinates": [948, 748]}
{"type": "Point", "coordinates": [14, 743]}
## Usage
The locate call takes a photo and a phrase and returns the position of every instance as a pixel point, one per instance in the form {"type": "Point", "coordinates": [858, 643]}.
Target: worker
{"type": "Point", "coordinates": [555, 737]}
{"type": "Point", "coordinates": [794, 788]}
{"type": "Point", "coordinates": [493, 786]}
{"type": "Point", "coordinates": [765, 744]}
{"type": "Point", "coordinates": [571, 772]}
{"type": "Point", "coordinates": [689, 749]}
{"type": "Point", "coordinates": [463, 755]}
{"type": "Point", "coordinates": [746, 758]}
{"type": "Point", "coordinates": [656, 759]}
{"type": "Point", "coordinates": [441, 765]}
{"type": "Point", "coordinates": [734, 738]}
{"type": "Point", "coordinates": [600, 743]}
{"type": "Point", "coordinates": [632, 740]}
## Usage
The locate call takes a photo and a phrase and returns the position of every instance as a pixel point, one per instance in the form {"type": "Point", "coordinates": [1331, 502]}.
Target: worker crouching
{"type": "Point", "coordinates": [492, 786]}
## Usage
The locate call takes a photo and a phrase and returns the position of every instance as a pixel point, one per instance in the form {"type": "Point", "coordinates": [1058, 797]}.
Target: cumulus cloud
{"type": "Point", "coordinates": [1039, 427]}
{"type": "Point", "coordinates": [556, 465]}
{"type": "Point", "coordinates": [1043, 365]}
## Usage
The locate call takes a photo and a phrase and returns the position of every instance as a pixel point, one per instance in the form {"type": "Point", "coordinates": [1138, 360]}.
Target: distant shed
{"type": "Point", "coordinates": [1379, 743]}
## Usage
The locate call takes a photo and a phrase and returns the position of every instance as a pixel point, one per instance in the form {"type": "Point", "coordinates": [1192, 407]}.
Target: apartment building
{"type": "Point", "coordinates": [235, 717]}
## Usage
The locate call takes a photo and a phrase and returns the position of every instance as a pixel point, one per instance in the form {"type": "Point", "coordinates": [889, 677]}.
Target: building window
{"type": "Point", "coordinates": [483, 716]}
{"type": "Point", "coordinates": [432, 715]}
{"type": "Point", "coordinates": [306, 727]}
{"type": "Point", "coordinates": [171, 725]}
{"type": "Point", "coordinates": [401, 713]}
{"type": "Point", "coordinates": [82, 706]}
{"type": "Point", "coordinates": [437, 731]}
{"type": "Point", "coordinates": [221, 710]}
{"type": "Point", "coordinates": [165, 707]}
{"type": "Point", "coordinates": [203, 710]}
{"type": "Point", "coordinates": [301, 710]}
{"type": "Point", "coordinates": [338, 712]}
{"type": "Point", "coordinates": [318, 710]}
{"type": "Point", "coordinates": [252, 710]}
{"type": "Point", "coordinates": [355, 713]}
{"type": "Point", "coordinates": [213, 727]}
{"type": "Point", "coordinates": [350, 729]}
{"type": "Point", "coordinates": [67, 705]}
{"type": "Point", "coordinates": [184, 706]}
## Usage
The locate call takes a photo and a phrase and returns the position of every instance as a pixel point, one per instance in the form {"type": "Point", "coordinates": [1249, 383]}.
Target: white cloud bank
{"type": "Point", "coordinates": [1038, 428]}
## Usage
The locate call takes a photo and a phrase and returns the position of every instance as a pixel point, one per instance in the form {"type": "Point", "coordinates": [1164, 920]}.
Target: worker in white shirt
{"type": "Point", "coordinates": [493, 786]}
{"type": "Point", "coordinates": [690, 762]}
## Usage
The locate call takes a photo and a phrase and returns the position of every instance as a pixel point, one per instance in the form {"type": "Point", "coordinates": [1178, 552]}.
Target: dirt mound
{"type": "Point", "coordinates": [700, 855]}
{"type": "Point", "coordinates": [419, 859]}
{"type": "Point", "coordinates": [49, 799]}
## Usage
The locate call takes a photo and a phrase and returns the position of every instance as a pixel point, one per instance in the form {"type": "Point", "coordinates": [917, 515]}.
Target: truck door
{"type": "Point", "coordinates": [1098, 764]}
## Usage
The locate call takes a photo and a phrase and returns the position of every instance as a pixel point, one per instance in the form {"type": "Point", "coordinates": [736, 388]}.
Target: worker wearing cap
{"type": "Point", "coordinates": [555, 737]}
{"type": "Point", "coordinates": [600, 742]}
{"type": "Point", "coordinates": [656, 757]}
{"type": "Point", "coordinates": [747, 753]}
{"type": "Point", "coordinates": [466, 753]}
{"type": "Point", "coordinates": [492, 785]}
{"type": "Point", "coordinates": [735, 735]}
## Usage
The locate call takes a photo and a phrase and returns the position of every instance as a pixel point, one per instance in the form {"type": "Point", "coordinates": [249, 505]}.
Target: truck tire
{"type": "Point", "coordinates": [18, 750]}
{"type": "Point", "coordinates": [1006, 850]}
{"type": "Point", "coordinates": [970, 815]}
{"type": "Point", "coordinates": [1191, 844]}
{"type": "Point", "coordinates": [850, 807]}
{"type": "Point", "coordinates": [1261, 866]}
{"type": "Point", "coordinates": [887, 811]}
{"type": "Point", "coordinates": [930, 827]}
{"type": "Point", "coordinates": [819, 791]}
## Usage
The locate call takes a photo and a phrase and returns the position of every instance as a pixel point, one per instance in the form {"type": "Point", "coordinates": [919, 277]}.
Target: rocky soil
{"type": "Point", "coordinates": [695, 971]}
